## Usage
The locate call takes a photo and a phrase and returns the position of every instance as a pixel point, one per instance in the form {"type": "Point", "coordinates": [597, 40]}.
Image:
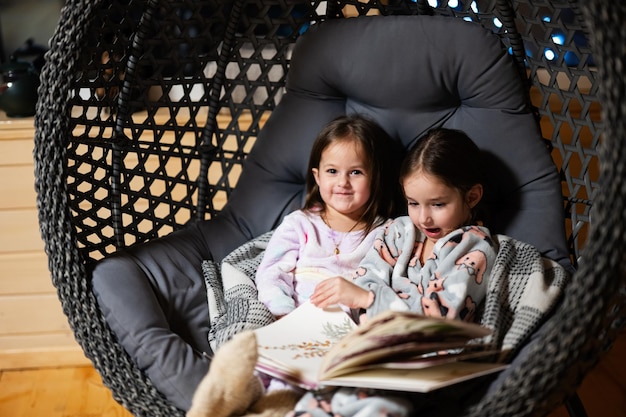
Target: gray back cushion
{"type": "Point", "coordinates": [410, 74]}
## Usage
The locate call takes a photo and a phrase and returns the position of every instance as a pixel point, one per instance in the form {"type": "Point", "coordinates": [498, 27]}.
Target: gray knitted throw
{"type": "Point", "coordinates": [523, 288]}
{"type": "Point", "coordinates": [231, 292]}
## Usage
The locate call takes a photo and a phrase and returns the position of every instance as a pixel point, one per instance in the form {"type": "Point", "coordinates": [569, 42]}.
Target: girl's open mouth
{"type": "Point", "coordinates": [433, 232]}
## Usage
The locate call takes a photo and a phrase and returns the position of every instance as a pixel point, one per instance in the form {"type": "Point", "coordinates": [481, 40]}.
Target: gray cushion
{"type": "Point", "coordinates": [409, 73]}
{"type": "Point", "coordinates": [154, 299]}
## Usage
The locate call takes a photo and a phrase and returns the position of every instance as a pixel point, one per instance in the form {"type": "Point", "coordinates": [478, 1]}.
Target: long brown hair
{"type": "Point", "coordinates": [376, 145]}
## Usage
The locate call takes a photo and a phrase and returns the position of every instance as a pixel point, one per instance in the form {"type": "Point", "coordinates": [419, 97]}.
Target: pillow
{"type": "Point", "coordinates": [410, 74]}
{"type": "Point", "coordinates": [153, 297]}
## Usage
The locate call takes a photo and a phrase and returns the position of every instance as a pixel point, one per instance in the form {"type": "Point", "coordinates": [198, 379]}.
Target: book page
{"type": "Point", "coordinates": [416, 380]}
{"type": "Point", "coordinates": [392, 335]}
{"type": "Point", "coordinates": [292, 347]}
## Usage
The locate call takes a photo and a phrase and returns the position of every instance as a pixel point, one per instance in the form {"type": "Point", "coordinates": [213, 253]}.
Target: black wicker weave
{"type": "Point", "coordinates": [148, 108]}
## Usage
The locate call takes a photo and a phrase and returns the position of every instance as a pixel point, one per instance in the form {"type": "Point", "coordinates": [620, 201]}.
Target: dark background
{"type": "Point", "coordinates": [24, 19]}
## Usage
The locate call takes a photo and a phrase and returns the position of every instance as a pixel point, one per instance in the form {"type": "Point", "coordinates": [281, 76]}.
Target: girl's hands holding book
{"type": "Point", "coordinates": [338, 290]}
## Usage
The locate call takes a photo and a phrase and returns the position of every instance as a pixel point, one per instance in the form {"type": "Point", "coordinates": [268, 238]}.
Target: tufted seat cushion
{"type": "Point", "coordinates": [410, 74]}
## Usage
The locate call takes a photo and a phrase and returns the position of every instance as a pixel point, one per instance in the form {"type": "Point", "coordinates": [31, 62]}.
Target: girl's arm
{"type": "Point", "coordinates": [338, 290]}
{"type": "Point", "coordinates": [386, 263]}
{"type": "Point", "coordinates": [457, 285]}
{"type": "Point", "coordinates": [275, 274]}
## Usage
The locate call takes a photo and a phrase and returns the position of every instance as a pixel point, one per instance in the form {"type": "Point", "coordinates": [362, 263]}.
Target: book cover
{"type": "Point", "coordinates": [313, 348]}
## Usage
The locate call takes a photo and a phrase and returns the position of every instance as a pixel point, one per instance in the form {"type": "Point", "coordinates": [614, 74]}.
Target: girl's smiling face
{"type": "Point", "coordinates": [343, 179]}
{"type": "Point", "coordinates": [435, 208]}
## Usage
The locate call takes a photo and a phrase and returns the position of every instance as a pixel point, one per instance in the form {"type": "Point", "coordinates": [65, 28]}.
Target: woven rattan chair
{"type": "Point", "coordinates": [148, 110]}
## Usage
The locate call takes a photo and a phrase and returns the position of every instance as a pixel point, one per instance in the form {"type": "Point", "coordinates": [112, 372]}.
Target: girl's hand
{"type": "Point", "coordinates": [338, 290]}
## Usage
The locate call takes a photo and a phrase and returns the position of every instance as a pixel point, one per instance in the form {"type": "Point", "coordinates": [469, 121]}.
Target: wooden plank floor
{"type": "Point", "coordinates": [56, 392]}
{"type": "Point", "coordinates": [78, 391]}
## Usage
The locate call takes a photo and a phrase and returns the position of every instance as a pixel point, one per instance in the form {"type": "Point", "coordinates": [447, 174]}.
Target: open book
{"type": "Point", "coordinates": [314, 348]}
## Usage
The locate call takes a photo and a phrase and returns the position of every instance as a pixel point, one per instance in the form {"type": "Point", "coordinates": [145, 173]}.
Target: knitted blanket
{"type": "Point", "coordinates": [523, 289]}
{"type": "Point", "coordinates": [231, 292]}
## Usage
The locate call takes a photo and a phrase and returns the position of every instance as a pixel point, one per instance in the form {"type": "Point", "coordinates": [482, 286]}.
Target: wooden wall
{"type": "Point", "coordinates": [33, 330]}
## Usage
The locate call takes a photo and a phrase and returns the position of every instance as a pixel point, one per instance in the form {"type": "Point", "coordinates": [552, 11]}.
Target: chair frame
{"type": "Point", "coordinates": [97, 98]}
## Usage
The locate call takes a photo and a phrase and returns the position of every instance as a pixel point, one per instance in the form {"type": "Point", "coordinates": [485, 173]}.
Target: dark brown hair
{"type": "Point", "coordinates": [449, 155]}
{"type": "Point", "coordinates": [377, 149]}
